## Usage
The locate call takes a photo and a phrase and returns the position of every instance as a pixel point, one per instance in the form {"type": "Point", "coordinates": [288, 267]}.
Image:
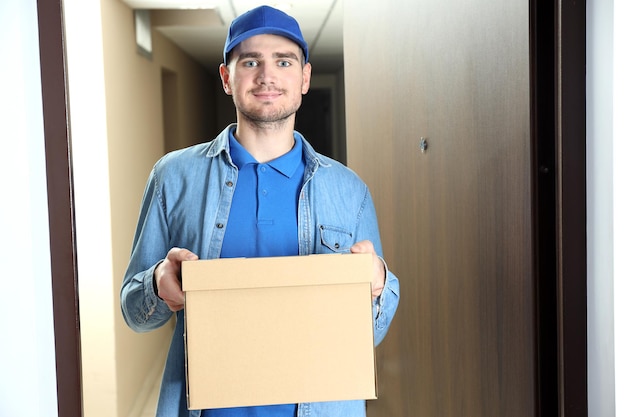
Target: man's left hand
{"type": "Point", "coordinates": [365, 246]}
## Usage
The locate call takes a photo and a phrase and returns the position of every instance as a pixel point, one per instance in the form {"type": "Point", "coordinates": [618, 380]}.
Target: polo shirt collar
{"type": "Point", "coordinates": [286, 164]}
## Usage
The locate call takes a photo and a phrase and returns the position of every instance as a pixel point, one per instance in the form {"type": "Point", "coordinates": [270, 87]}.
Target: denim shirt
{"type": "Point", "coordinates": [186, 204]}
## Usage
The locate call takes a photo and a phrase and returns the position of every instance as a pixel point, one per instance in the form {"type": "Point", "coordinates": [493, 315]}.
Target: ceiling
{"type": "Point", "coordinates": [199, 27]}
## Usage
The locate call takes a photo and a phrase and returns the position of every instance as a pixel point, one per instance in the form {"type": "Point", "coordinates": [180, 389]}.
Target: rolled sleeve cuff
{"type": "Point", "coordinates": [385, 305]}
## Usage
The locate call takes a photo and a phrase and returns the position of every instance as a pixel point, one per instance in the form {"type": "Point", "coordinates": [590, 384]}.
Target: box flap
{"type": "Point", "coordinates": [289, 271]}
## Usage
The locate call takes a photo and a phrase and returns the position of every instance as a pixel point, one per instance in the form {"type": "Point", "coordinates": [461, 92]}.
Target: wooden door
{"type": "Point", "coordinates": [439, 126]}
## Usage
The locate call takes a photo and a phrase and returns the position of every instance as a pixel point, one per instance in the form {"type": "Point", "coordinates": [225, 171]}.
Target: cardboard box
{"type": "Point", "coordinates": [278, 330]}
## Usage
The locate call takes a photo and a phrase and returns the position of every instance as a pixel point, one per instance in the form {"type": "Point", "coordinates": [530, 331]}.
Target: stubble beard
{"type": "Point", "coordinates": [263, 118]}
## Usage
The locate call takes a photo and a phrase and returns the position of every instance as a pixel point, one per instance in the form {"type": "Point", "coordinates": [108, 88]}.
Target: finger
{"type": "Point", "coordinates": [364, 246]}
{"type": "Point", "coordinates": [178, 255]}
{"type": "Point", "coordinates": [172, 263]}
{"type": "Point", "coordinates": [175, 307]}
{"type": "Point", "coordinates": [171, 292]}
{"type": "Point", "coordinates": [377, 286]}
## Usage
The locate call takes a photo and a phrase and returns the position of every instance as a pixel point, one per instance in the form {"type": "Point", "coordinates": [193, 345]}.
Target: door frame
{"type": "Point", "coordinates": [58, 151]}
{"type": "Point", "coordinates": [570, 105]}
{"type": "Point", "coordinates": [559, 116]}
{"type": "Point", "coordinates": [558, 66]}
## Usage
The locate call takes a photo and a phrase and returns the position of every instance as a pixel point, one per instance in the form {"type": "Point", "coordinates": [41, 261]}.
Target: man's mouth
{"type": "Point", "coordinates": [267, 94]}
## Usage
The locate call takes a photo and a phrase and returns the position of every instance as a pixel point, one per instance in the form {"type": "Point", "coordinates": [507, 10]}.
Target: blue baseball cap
{"type": "Point", "coordinates": [264, 20]}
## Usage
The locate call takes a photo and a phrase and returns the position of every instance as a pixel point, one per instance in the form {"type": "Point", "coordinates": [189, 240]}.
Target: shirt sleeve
{"type": "Point", "coordinates": [385, 305]}
{"type": "Point", "coordinates": [142, 309]}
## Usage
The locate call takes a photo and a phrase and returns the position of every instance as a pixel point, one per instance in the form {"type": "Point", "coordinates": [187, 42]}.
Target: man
{"type": "Point", "coordinates": [258, 189]}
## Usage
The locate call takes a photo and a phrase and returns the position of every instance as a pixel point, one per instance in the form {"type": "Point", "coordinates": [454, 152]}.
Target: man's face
{"type": "Point", "coordinates": [266, 78]}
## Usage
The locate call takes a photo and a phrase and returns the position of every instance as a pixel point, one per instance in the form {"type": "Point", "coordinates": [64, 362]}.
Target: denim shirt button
{"type": "Point", "coordinates": [220, 225]}
{"type": "Point", "coordinates": [229, 183]}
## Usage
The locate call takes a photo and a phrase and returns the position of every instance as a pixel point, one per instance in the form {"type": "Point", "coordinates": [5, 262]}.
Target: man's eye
{"type": "Point", "coordinates": [250, 64]}
{"type": "Point", "coordinates": [284, 63]}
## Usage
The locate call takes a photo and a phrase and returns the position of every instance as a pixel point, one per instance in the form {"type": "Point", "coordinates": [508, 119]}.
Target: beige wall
{"type": "Point", "coordinates": [120, 366]}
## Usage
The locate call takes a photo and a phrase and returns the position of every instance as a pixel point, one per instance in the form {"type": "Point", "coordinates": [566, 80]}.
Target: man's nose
{"type": "Point", "coordinates": [266, 75]}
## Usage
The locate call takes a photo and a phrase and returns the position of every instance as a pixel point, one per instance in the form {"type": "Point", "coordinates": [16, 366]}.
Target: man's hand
{"type": "Point", "coordinates": [167, 277]}
{"type": "Point", "coordinates": [365, 246]}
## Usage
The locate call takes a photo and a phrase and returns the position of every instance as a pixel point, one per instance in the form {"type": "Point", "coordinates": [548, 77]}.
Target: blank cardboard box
{"type": "Point", "coordinates": [278, 330]}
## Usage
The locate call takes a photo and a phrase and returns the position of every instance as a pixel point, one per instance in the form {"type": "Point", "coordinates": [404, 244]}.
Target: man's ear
{"type": "Point", "coordinates": [225, 76]}
{"type": "Point", "coordinates": [306, 77]}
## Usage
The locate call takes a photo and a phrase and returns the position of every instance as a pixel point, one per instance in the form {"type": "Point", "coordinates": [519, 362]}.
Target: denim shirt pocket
{"type": "Point", "coordinates": [336, 239]}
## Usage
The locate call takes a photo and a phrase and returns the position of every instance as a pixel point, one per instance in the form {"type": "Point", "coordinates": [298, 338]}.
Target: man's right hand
{"type": "Point", "coordinates": [167, 277]}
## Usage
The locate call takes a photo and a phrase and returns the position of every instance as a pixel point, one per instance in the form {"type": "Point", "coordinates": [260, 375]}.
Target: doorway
{"type": "Point", "coordinates": [66, 320]}
{"type": "Point", "coordinates": [314, 120]}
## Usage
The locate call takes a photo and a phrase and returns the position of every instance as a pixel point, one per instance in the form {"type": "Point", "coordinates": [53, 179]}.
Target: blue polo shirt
{"type": "Point", "coordinates": [263, 222]}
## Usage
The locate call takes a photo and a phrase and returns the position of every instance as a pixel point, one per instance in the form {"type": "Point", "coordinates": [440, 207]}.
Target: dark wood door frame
{"type": "Point", "coordinates": [558, 71]}
{"type": "Point", "coordinates": [558, 37]}
{"type": "Point", "coordinates": [60, 207]}
{"type": "Point", "coordinates": [572, 210]}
